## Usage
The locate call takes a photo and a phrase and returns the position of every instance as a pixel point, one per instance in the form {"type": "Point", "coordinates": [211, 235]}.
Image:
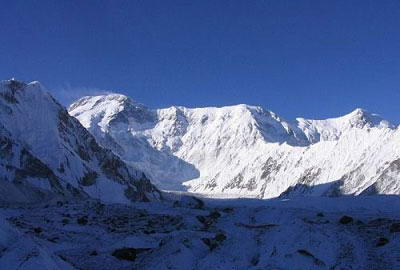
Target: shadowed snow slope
{"type": "Point", "coordinates": [45, 151]}
{"type": "Point", "coordinates": [316, 233]}
{"type": "Point", "coordinates": [247, 151]}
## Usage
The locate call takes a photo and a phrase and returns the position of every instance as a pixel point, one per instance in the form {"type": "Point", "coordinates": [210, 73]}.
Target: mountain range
{"type": "Point", "coordinates": [73, 183]}
{"type": "Point", "coordinates": [247, 151]}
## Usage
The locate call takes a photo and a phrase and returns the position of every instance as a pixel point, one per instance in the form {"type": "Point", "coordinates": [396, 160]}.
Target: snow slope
{"type": "Point", "coordinates": [247, 151]}
{"type": "Point", "coordinates": [45, 151]}
{"type": "Point", "coordinates": [318, 233]}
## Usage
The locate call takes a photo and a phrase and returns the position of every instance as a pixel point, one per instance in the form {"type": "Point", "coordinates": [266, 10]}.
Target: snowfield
{"type": "Point", "coordinates": [185, 233]}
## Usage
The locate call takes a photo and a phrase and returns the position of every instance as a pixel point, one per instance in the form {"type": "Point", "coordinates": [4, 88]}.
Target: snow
{"type": "Point", "coordinates": [44, 149]}
{"type": "Point", "coordinates": [231, 156]}
{"type": "Point", "coordinates": [19, 251]}
{"type": "Point", "coordinates": [247, 151]}
{"type": "Point", "coordinates": [107, 191]}
{"type": "Point", "coordinates": [222, 234]}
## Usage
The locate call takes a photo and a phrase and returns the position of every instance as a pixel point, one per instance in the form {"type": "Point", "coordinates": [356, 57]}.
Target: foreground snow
{"type": "Point", "coordinates": [221, 234]}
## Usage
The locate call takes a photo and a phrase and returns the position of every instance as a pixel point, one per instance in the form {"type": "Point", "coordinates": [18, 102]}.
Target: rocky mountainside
{"type": "Point", "coordinates": [247, 151]}
{"type": "Point", "coordinates": [44, 151]}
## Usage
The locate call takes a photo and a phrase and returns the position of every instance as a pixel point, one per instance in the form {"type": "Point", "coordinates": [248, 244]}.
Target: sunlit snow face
{"type": "Point", "coordinates": [227, 151]}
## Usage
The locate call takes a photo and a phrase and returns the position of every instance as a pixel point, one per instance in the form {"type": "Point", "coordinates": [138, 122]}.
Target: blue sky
{"type": "Point", "coordinates": [314, 59]}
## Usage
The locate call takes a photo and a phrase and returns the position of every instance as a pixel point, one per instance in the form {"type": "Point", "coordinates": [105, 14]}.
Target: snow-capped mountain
{"type": "Point", "coordinates": [45, 151]}
{"type": "Point", "coordinates": [231, 151]}
{"type": "Point", "coordinates": [247, 151]}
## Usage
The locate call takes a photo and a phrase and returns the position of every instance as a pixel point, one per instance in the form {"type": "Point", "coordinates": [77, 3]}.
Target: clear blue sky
{"type": "Point", "coordinates": [314, 59]}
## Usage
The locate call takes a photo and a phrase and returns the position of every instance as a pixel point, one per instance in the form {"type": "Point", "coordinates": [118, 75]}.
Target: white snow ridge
{"type": "Point", "coordinates": [242, 188]}
{"type": "Point", "coordinates": [45, 148]}
{"type": "Point", "coordinates": [247, 151]}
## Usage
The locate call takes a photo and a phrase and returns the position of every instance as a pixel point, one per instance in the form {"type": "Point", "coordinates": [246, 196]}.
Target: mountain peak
{"type": "Point", "coordinates": [50, 150]}
{"type": "Point", "coordinates": [15, 82]}
{"type": "Point", "coordinates": [358, 113]}
{"type": "Point", "coordinates": [361, 117]}
{"type": "Point", "coordinates": [11, 83]}
{"type": "Point", "coordinates": [105, 100]}
{"type": "Point", "coordinates": [14, 91]}
{"type": "Point", "coordinates": [110, 108]}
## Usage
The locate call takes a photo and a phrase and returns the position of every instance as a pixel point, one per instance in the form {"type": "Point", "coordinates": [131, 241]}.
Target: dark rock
{"type": "Point", "coordinates": [395, 227]}
{"type": "Point", "coordinates": [306, 253]}
{"type": "Point", "coordinates": [320, 214]}
{"type": "Point", "coordinates": [53, 239]}
{"type": "Point", "coordinates": [210, 243]}
{"type": "Point", "coordinates": [82, 220]}
{"type": "Point", "coordinates": [345, 220]}
{"type": "Point", "coordinates": [89, 178]}
{"type": "Point", "coordinates": [202, 219]}
{"type": "Point", "coordinates": [190, 202]}
{"type": "Point", "coordinates": [93, 253]}
{"type": "Point", "coordinates": [382, 241]}
{"type": "Point", "coordinates": [199, 203]}
{"type": "Point", "coordinates": [206, 221]}
{"type": "Point", "coordinates": [161, 243]}
{"type": "Point", "coordinates": [255, 260]}
{"type": "Point", "coordinates": [220, 237]}
{"type": "Point", "coordinates": [213, 243]}
{"type": "Point", "coordinates": [128, 254]}
{"type": "Point", "coordinates": [256, 226]}
{"type": "Point", "coordinates": [38, 230]}
{"type": "Point", "coordinates": [65, 221]}
{"type": "Point", "coordinates": [214, 215]}
{"type": "Point", "coordinates": [359, 222]}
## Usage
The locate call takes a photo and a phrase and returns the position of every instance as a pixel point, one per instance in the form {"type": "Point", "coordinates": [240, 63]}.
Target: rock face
{"type": "Point", "coordinates": [44, 151]}
{"type": "Point", "coordinates": [247, 151]}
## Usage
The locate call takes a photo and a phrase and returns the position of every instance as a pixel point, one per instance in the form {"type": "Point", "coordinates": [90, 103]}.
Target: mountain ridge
{"type": "Point", "coordinates": [358, 114]}
{"type": "Point", "coordinates": [247, 151]}
{"type": "Point", "coordinates": [44, 149]}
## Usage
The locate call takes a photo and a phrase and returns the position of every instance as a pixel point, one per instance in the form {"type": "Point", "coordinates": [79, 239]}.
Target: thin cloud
{"type": "Point", "coordinates": [68, 94]}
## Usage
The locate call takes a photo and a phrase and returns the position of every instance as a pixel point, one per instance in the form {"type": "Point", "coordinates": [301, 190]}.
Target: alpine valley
{"type": "Point", "coordinates": [110, 184]}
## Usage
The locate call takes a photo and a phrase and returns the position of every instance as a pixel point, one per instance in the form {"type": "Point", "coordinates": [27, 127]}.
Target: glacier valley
{"type": "Point", "coordinates": [109, 184]}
